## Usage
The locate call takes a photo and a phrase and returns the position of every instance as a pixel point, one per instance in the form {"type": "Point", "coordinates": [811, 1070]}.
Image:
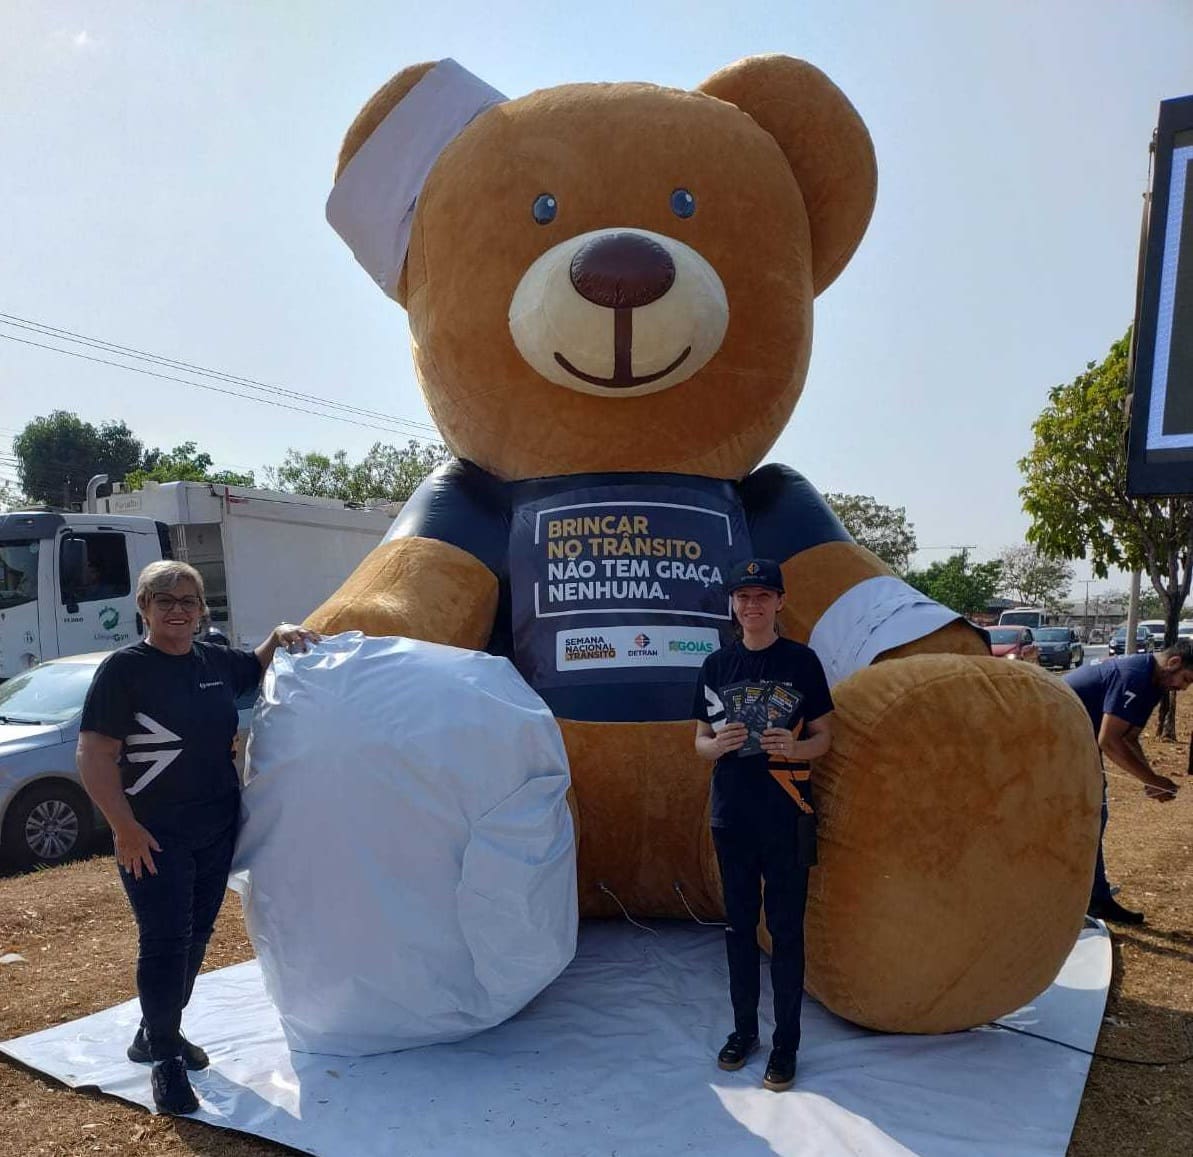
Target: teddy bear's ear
{"type": "Point", "coordinates": [826, 144]}
{"type": "Point", "coordinates": [367, 120]}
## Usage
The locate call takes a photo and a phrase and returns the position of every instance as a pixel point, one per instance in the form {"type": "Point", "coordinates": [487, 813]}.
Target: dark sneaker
{"type": "Point", "coordinates": [736, 1051]}
{"type": "Point", "coordinates": [780, 1071]}
{"type": "Point", "coordinates": [1114, 912]}
{"type": "Point", "coordinates": [172, 1092]}
{"type": "Point", "coordinates": [138, 1052]}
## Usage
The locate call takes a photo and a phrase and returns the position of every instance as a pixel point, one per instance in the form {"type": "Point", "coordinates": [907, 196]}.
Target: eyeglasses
{"type": "Point", "coordinates": [188, 603]}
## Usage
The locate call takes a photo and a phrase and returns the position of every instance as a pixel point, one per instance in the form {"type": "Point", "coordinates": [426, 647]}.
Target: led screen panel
{"type": "Point", "coordinates": [1161, 444]}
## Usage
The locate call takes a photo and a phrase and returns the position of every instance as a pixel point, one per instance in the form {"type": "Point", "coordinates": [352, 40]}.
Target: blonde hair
{"type": "Point", "coordinates": [164, 576]}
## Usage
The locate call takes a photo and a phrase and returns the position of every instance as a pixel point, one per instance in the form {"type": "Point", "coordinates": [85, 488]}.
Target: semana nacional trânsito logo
{"type": "Point", "coordinates": [584, 648]}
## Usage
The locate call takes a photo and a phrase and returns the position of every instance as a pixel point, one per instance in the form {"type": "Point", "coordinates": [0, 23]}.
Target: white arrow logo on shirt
{"type": "Point", "coordinates": [158, 760]}
{"type": "Point", "coordinates": [716, 708]}
{"type": "Point", "coordinates": [154, 732]}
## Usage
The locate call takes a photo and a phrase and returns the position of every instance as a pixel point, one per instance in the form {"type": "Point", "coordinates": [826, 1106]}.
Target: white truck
{"type": "Point", "coordinates": [68, 581]}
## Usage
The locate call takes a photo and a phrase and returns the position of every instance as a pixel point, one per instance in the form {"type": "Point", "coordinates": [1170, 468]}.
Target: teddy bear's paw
{"type": "Point", "coordinates": [958, 827]}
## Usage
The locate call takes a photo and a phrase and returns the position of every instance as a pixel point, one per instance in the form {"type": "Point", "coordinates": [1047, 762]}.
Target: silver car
{"type": "Point", "coordinates": [45, 815]}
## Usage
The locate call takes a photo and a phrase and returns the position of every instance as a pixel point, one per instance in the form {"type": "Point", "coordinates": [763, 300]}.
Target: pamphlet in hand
{"type": "Point", "coordinates": [760, 705]}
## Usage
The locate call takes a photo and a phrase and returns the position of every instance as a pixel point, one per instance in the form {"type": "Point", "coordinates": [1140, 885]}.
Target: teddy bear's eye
{"type": "Point", "coordinates": [544, 208]}
{"type": "Point", "coordinates": [683, 204]}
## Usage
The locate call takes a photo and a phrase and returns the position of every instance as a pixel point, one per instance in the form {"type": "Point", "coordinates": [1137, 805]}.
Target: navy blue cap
{"type": "Point", "coordinates": [756, 572]}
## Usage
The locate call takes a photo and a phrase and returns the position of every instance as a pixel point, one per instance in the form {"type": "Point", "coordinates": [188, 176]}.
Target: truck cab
{"type": "Point", "coordinates": [68, 583]}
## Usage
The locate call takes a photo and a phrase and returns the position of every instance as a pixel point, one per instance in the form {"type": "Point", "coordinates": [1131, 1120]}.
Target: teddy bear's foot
{"type": "Point", "coordinates": [958, 828]}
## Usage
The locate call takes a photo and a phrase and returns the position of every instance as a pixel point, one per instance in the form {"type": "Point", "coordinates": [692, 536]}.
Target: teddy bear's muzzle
{"type": "Point", "coordinates": [619, 312]}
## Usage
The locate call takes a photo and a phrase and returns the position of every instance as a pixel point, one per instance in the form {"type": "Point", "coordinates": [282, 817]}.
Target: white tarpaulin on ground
{"type": "Point", "coordinates": [408, 859]}
{"type": "Point", "coordinates": [617, 1057]}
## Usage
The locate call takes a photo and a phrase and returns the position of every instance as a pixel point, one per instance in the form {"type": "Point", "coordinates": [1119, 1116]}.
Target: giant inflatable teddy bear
{"type": "Point", "coordinates": [609, 289]}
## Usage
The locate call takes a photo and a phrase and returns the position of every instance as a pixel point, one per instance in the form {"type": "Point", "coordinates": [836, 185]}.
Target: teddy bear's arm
{"type": "Point", "coordinates": [435, 577]}
{"type": "Point", "coordinates": [836, 589]}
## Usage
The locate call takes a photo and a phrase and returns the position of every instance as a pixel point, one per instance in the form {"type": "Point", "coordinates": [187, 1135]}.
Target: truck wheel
{"type": "Point", "coordinates": [47, 824]}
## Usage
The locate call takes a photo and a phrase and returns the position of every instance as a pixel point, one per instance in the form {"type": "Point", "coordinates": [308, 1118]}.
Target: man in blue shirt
{"type": "Point", "coordinates": [1120, 696]}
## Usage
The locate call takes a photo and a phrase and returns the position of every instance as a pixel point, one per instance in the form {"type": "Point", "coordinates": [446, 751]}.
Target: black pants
{"type": "Point", "coordinates": [746, 860]}
{"type": "Point", "coordinates": [1100, 891]}
{"type": "Point", "coordinates": [175, 911]}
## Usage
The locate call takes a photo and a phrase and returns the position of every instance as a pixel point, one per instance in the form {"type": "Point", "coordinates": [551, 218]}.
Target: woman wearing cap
{"type": "Point", "coordinates": [763, 831]}
{"type": "Point", "coordinates": [155, 754]}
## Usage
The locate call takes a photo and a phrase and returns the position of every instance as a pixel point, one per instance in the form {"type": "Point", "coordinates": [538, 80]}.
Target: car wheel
{"type": "Point", "coordinates": [47, 824]}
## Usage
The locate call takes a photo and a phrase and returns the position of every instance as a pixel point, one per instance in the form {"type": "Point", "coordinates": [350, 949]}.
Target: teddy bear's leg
{"type": "Point", "coordinates": [958, 828]}
{"type": "Point", "coordinates": [817, 577]}
{"type": "Point", "coordinates": [642, 805]}
{"type": "Point", "coordinates": [416, 587]}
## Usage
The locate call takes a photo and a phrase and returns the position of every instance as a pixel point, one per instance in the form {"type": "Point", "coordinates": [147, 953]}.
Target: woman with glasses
{"type": "Point", "coordinates": [155, 754]}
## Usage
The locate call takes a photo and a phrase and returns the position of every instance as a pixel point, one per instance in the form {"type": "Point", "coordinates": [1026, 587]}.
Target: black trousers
{"type": "Point", "coordinates": [747, 859]}
{"type": "Point", "coordinates": [175, 912]}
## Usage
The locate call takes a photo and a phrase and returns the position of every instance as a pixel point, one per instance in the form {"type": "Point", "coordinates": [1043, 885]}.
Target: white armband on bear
{"type": "Point", "coordinates": [372, 204]}
{"type": "Point", "coordinates": [872, 617]}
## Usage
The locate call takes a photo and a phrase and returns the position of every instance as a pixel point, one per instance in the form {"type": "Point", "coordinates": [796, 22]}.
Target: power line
{"type": "Point", "coordinates": [105, 346]}
{"type": "Point", "coordinates": [217, 389]}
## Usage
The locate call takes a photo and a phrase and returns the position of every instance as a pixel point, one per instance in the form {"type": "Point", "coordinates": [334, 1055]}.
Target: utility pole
{"type": "Point", "coordinates": [1132, 615]}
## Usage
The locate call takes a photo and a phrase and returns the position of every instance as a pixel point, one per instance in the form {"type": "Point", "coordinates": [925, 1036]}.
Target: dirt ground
{"type": "Point", "coordinates": [73, 927]}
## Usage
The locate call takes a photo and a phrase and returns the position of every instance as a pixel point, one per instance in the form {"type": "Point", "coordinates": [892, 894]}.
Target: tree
{"type": "Point", "coordinates": [185, 463]}
{"type": "Point", "coordinates": [881, 529]}
{"type": "Point", "coordinates": [965, 587]}
{"type": "Point", "coordinates": [58, 455]}
{"type": "Point", "coordinates": [1032, 578]}
{"type": "Point", "coordinates": [1075, 490]}
{"type": "Point", "coordinates": [386, 473]}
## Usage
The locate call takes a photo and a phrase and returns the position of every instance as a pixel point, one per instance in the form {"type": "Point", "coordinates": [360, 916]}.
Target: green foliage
{"type": "Point", "coordinates": [1032, 578]}
{"type": "Point", "coordinates": [1075, 488]}
{"type": "Point", "coordinates": [58, 455]}
{"type": "Point", "coordinates": [387, 473]}
{"type": "Point", "coordinates": [965, 587]}
{"type": "Point", "coordinates": [881, 529]}
{"type": "Point", "coordinates": [185, 463]}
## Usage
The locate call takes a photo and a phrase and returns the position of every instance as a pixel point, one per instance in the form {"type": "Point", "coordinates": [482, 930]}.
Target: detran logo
{"type": "Point", "coordinates": [641, 641]}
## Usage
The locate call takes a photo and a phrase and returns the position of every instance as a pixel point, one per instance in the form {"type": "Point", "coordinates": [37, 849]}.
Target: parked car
{"type": "Point", "coordinates": [1060, 648]}
{"type": "Point", "coordinates": [1184, 629]}
{"type": "Point", "coordinates": [45, 815]}
{"type": "Point", "coordinates": [1014, 643]}
{"type": "Point", "coordinates": [1143, 640]}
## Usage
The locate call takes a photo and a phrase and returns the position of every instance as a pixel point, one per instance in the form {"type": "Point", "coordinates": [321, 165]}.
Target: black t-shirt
{"type": "Point", "coordinates": [744, 793]}
{"type": "Point", "coordinates": [176, 718]}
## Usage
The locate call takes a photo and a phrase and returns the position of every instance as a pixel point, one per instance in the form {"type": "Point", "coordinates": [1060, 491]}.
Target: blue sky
{"type": "Point", "coordinates": [165, 166]}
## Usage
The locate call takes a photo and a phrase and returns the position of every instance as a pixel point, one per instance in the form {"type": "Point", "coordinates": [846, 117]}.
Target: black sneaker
{"type": "Point", "coordinates": [780, 1071]}
{"type": "Point", "coordinates": [1110, 909]}
{"type": "Point", "coordinates": [736, 1051]}
{"type": "Point", "coordinates": [172, 1092]}
{"type": "Point", "coordinates": [138, 1052]}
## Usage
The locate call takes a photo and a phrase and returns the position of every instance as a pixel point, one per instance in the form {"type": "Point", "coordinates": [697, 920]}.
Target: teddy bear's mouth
{"type": "Point", "coordinates": [623, 371]}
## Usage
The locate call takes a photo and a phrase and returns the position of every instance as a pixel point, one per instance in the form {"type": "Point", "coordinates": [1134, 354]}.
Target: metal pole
{"type": "Point", "coordinates": [1132, 615]}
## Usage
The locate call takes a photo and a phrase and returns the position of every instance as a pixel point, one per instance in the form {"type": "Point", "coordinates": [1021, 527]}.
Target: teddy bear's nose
{"type": "Point", "coordinates": [622, 270]}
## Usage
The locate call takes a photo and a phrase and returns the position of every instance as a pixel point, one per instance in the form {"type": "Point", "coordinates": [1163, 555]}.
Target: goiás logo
{"type": "Point", "coordinates": [584, 647]}
{"type": "Point", "coordinates": [642, 648]}
{"type": "Point", "coordinates": [691, 646]}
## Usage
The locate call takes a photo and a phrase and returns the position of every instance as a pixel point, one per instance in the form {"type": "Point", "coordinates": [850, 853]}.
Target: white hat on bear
{"type": "Point", "coordinates": [371, 205]}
